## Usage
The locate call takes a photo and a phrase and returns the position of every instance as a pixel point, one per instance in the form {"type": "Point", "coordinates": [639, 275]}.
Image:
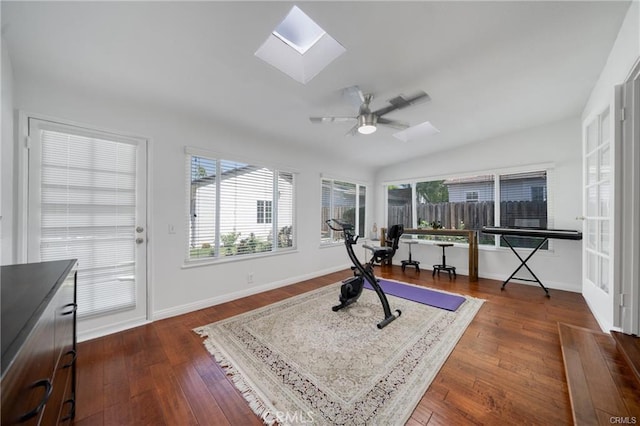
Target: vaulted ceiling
{"type": "Point", "coordinates": [489, 67]}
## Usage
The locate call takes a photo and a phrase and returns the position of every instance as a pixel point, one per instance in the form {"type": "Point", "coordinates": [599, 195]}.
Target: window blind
{"type": "Point", "coordinates": [285, 203]}
{"type": "Point", "coordinates": [238, 209]}
{"type": "Point", "coordinates": [240, 186]}
{"type": "Point", "coordinates": [88, 212]}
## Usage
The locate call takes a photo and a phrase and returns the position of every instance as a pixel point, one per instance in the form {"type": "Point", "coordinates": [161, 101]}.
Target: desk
{"type": "Point", "coordinates": [470, 235]}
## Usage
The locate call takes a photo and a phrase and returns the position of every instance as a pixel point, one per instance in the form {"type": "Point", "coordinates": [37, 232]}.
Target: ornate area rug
{"type": "Point", "coordinates": [297, 361]}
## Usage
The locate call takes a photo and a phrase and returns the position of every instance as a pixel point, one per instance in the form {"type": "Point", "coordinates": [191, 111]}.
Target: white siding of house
{"type": "Point", "coordinates": [458, 192]}
{"type": "Point", "coordinates": [241, 217]}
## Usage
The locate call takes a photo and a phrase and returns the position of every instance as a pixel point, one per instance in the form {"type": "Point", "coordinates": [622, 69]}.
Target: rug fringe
{"type": "Point", "coordinates": [255, 402]}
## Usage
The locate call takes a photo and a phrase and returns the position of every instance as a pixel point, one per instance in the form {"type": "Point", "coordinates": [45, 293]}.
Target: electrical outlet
{"type": "Point", "coordinates": [250, 278]}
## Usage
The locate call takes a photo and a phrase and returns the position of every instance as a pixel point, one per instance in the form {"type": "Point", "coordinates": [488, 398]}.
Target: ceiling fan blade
{"type": "Point", "coordinates": [354, 95]}
{"type": "Point", "coordinates": [353, 131]}
{"type": "Point", "coordinates": [393, 123]}
{"type": "Point", "coordinates": [402, 101]}
{"type": "Point", "coordinates": [331, 119]}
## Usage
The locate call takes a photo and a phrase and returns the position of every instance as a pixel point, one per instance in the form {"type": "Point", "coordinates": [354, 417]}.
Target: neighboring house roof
{"type": "Point", "coordinates": [229, 172]}
{"type": "Point", "coordinates": [489, 178]}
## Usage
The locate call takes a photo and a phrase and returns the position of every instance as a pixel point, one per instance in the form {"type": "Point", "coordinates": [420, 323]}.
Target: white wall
{"type": "Point", "coordinates": [624, 55]}
{"type": "Point", "coordinates": [558, 144]}
{"type": "Point", "coordinates": [177, 289]}
{"type": "Point", "coordinates": [7, 253]}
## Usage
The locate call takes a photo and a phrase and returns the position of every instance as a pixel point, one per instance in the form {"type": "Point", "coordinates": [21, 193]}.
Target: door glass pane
{"type": "Point", "coordinates": [605, 163]}
{"type": "Point", "coordinates": [591, 234]}
{"type": "Point", "coordinates": [604, 199]}
{"type": "Point", "coordinates": [604, 274]}
{"type": "Point", "coordinates": [592, 169]}
{"type": "Point", "coordinates": [591, 267]}
{"type": "Point", "coordinates": [604, 127]}
{"type": "Point", "coordinates": [604, 236]}
{"type": "Point", "coordinates": [592, 201]}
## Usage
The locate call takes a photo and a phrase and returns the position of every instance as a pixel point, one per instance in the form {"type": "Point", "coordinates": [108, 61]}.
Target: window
{"type": "Point", "coordinates": [341, 201]}
{"type": "Point", "coordinates": [238, 209]}
{"type": "Point", "coordinates": [399, 210]}
{"type": "Point", "coordinates": [472, 196]}
{"type": "Point", "coordinates": [523, 203]}
{"type": "Point", "coordinates": [470, 203]}
{"type": "Point", "coordinates": [264, 211]}
{"type": "Point", "coordinates": [460, 203]}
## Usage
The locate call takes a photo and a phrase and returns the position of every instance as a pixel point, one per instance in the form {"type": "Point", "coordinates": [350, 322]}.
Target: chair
{"type": "Point", "coordinates": [385, 253]}
{"type": "Point", "coordinates": [444, 266]}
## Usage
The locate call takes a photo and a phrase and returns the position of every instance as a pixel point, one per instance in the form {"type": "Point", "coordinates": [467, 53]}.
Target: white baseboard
{"type": "Point", "coordinates": [84, 335]}
{"type": "Point", "coordinates": [605, 325]}
{"type": "Point", "coordinates": [206, 303]}
{"type": "Point", "coordinates": [556, 285]}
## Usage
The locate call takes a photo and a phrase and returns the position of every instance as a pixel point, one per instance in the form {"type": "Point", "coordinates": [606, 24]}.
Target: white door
{"type": "Point", "coordinates": [597, 274]}
{"type": "Point", "coordinates": [628, 205]}
{"type": "Point", "coordinates": [87, 200]}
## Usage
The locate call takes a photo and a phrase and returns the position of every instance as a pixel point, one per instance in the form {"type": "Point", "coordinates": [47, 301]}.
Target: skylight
{"type": "Point", "coordinates": [299, 47]}
{"type": "Point", "coordinates": [418, 131]}
{"type": "Point", "coordinates": [299, 31]}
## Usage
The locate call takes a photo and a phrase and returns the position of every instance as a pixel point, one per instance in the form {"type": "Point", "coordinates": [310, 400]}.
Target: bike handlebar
{"type": "Point", "coordinates": [344, 226]}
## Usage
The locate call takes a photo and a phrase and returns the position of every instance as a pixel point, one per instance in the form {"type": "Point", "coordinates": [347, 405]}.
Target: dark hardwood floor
{"type": "Point", "coordinates": [506, 369]}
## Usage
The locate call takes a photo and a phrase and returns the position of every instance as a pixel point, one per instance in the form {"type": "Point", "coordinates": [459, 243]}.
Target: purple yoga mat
{"type": "Point", "coordinates": [437, 299]}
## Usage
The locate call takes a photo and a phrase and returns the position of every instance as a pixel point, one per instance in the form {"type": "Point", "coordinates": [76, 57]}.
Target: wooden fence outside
{"type": "Point", "coordinates": [464, 215]}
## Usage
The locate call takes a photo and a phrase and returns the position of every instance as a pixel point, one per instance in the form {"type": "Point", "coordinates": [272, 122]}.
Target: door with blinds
{"type": "Point", "coordinates": [87, 192]}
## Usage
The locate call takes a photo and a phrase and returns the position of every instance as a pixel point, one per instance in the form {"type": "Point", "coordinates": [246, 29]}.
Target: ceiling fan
{"type": "Point", "coordinates": [367, 120]}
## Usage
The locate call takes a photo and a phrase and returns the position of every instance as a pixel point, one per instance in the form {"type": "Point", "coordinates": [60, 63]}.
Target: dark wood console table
{"type": "Point", "coordinates": [38, 343]}
{"type": "Point", "coordinates": [470, 235]}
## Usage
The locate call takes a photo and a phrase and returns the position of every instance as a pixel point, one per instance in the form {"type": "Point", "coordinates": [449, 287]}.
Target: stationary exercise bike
{"type": "Point", "coordinates": [351, 288]}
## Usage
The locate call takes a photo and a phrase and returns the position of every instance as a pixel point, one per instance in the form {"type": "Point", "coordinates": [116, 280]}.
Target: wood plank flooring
{"type": "Point", "coordinates": [506, 369]}
{"type": "Point", "coordinates": [602, 385]}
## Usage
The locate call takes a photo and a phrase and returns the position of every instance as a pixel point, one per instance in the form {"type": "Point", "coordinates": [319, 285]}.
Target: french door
{"type": "Point", "coordinates": [598, 179]}
{"type": "Point", "coordinates": [87, 200]}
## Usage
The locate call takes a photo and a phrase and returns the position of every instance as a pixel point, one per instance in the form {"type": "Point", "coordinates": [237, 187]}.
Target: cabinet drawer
{"type": "Point", "coordinates": [65, 315]}
{"type": "Point", "coordinates": [53, 411]}
{"type": "Point", "coordinates": [27, 385]}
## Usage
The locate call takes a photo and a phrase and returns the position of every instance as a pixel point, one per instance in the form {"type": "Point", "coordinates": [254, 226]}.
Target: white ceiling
{"type": "Point", "coordinates": [489, 67]}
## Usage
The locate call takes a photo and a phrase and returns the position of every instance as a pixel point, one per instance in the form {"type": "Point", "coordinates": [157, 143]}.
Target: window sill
{"type": "Point", "coordinates": [188, 264]}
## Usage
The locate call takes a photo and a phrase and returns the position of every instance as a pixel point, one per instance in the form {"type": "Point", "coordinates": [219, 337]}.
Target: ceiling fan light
{"type": "Point", "coordinates": [367, 124]}
{"type": "Point", "coordinates": [367, 129]}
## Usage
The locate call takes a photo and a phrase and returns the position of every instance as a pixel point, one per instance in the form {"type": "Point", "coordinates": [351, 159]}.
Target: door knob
{"type": "Point", "coordinates": [139, 229]}
{"type": "Point", "coordinates": [139, 240]}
